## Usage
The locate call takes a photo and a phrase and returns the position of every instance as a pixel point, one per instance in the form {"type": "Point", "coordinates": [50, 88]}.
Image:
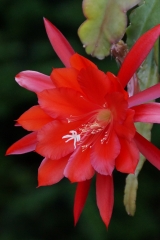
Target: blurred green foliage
{"type": "Point", "coordinates": [30, 213]}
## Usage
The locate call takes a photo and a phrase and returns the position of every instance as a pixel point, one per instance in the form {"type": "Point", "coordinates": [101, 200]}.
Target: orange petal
{"type": "Point", "coordinates": [63, 103]}
{"type": "Point", "coordinates": [126, 129]}
{"type": "Point", "coordinates": [80, 198]}
{"type": "Point", "coordinates": [116, 86]}
{"type": "Point", "coordinates": [95, 84]}
{"type": "Point", "coordinates": [105, 197]}
{"type": "Point", "coordinates": [78, 62]}
{"type": "Point", "coordinates": [117, 105]}
{"type": "Point", "coordinates": [79, 166]}
{"type": "Point", "coordinates": [24, 145]}
{"type": "Point", "coordinates": [51, 171]}
{"type": "Point", "coordinates": [65, 77]}
{"type": "Point", "coordinates": [34, 119]}
{"type": "Point", "coordinates": [50, 143]}
{"type": "Point", "coordinates": [128, 158]}
{"type": "Point", "coordinates": [103, 155]}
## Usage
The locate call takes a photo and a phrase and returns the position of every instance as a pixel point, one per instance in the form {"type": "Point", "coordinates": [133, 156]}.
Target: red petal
{"type": "Point", "coordinates": [95, 84]}
{"type": "Point", "coordinates": [105, 197]}
{"type": "Point", "coordinates": [80, 198]}
{"type": "Point", "coordinates": [24, 145]}
{"type": "Point", "coordinates": [65, 77]}
{"type": "Point", "coordinates": [78, 62]}
{"type": "Point", "coordinates": [103, 155]}
{"type": "Point", "coordinates": [116, 86]}
{"type": "Point", "coordinates": [145, 96]}
{"type": "Point", "coordinates": [79, 166]}
{"type": "Point", "coordinates": [127, 128]}
{"type": "Point", "coordinates": [51, 145]}
{"type": "Point", "coordinates": [128, 158]}
{"type": "Point", "coordinates": [118, 106]}
{"type": "Point", "coordinates": [151, 152]}
{"type": "Point", "coordinates": [59, 43]}
{"type": "Point", "coordinates": [34, 81]}
{"type": "Point", "coordinates": [51, 171]}
{"type": "Point", "coordinates": [137, 54]}
{"type": "Point", "coordinates": [64, 103]}
{"type": "Point", "coordinates": [149, 113]}
{"type": "Point", "coordinates": [34, 119]}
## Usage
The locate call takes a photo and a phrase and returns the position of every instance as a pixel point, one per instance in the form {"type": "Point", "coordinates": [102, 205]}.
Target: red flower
{"type": "Point", "coordinates": [84, 123]}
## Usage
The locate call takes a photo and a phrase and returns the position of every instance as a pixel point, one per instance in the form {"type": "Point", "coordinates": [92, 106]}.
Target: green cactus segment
{"type": "Point", "coordinates": [106, 24]}
{"type": "Point", "coordinates": [148, 72]}
{"type": "Point", "coordinates": [148, 76]}
{"type": "Point", "coordinates": [130, 191]}
{"type": "Point", "coordinates": [143, 18]}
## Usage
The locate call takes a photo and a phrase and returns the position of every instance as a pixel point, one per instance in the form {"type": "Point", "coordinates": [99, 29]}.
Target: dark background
{"type": "Point", "coordinates": [28, 213]}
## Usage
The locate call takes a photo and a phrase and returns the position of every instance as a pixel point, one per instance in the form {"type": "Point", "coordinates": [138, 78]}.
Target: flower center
{"type": "Point", "coordinates": [99, 121]}
{"type": "Point", "coordinates": [104, 115]}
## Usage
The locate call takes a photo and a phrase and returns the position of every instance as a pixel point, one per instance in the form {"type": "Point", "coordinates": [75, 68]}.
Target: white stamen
{"type": "Point", "coordinates": [76, 137]}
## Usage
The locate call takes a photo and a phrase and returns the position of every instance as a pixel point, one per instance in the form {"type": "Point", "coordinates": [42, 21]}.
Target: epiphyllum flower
{"type": "Point", "coordinates": [84, 123]}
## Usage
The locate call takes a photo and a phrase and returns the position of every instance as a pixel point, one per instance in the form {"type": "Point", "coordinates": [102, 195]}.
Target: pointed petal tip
{"type": "Point", "coordinates": [17, 75]}
{"type": "Point", "coordinates": [76, 218]}
{"type": "Point", "coordinates": [34, 81]}
{"type": "Point", "coordinates": [9, 151]}
{"type": "Point", "coordinates": [24, 145]}
{"type": "Point", "coordinates": [40, 185]}
{"type": "Point", "coordinates": [80, 199]}
{"type": "Point", "coordinates": [17, 78]}
{"type": "Point", "coordinates": [75, 221]}
{"type": "Point", "coordinates": [59, 43]}
{"type": "Point", "coordinates": [106, 225]}
{"type": "Point", "coordinates": [105, 197]}
{"type": "Point", "coordinates": [6, 153]}
{"type": "Point", "coordinates": [45, 20]}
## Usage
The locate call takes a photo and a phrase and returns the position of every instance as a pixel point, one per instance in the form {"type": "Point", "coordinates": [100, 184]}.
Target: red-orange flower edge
{"type": "Point", "coordinates": [84, 123]}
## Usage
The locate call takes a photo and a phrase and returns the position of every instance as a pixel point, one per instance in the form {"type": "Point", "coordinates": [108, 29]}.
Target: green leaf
{"type": "Point", "coordinates": [106, 24]}
{"type": "Point", "coordinates": [144, 17]}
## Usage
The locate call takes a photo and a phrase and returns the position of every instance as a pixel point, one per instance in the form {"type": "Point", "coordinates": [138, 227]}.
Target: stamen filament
{"type": "Point", "coordinates": [76, 137]}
